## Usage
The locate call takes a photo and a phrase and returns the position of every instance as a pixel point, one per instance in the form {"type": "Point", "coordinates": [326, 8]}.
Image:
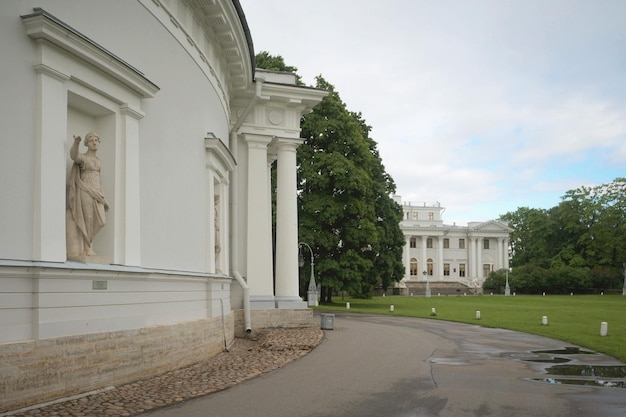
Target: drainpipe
{"type": "Point", "coordinates": [234, 206]}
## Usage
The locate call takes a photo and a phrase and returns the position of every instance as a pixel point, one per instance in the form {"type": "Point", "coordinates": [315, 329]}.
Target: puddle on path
{"type": "Point", "coordinates": [585, 382]}
{"type": "Point", "coordinates": [570, 350]}
{"type": "Point", "coordinates": [589, 375]}
{"type": "Point", "coordinates": [597, 371]}
{"type": "Point", "coordinates": [548, 360]}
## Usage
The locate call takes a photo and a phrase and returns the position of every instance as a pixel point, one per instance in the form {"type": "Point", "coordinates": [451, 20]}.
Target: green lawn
{"type": "Point", "coordinates": [573, 319]}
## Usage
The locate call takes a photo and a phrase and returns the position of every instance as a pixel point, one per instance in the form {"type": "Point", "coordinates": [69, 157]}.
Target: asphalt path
{"type": "Point", "coordinates": [373, 366]}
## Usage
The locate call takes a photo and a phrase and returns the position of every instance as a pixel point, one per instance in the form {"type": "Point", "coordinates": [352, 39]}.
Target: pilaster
{"type": "Point", "coordinates": [49, 179]}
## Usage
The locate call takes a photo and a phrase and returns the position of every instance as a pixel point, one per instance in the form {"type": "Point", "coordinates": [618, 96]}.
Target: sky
{"type": "Point", "coordinates": [484, 106]}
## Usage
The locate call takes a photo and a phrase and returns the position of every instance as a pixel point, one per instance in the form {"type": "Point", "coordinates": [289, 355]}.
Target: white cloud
{"type": "Point", "coordinates": [484, 106]}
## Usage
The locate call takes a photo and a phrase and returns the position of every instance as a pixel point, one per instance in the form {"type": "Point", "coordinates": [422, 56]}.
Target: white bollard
{"type": "Point", "coordinates": [383, 295]}
{"type": "Point", "coordinates": [433, 312]}
{"type": "Point", "coordinates": [544, 320]}
{"type": "Point", "coordinates": [544, 294]}
{"type": "Point", "coordinates": [347, 306]}
{"type": "Point", "coordinates": [604, 328]}
{"type": "Point", "coordinates": [391, 307]}
{"type": "Point", "coordinates": [477, 314]}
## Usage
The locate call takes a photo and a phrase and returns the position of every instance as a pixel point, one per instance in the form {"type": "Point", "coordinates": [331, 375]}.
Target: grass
{"type": "Point", "coordinates": [573, 319]}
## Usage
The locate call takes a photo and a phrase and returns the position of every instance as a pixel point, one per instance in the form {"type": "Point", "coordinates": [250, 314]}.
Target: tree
{"type": "Point", "coordinates": [577, 245]}
{"type": "Point", "coordinates": [269, 62]}
{"type": "Point", "coordinates": [345, 207]}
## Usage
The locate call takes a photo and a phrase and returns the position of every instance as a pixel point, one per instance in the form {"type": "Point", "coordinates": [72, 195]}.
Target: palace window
{"type": "Point", "coordinates": [485, 243]}
{"type": "Point", "coordinates": [430, 266]}
{"type": "Point", "coordinates": [461, 243]}
{"type": "Point", "coordinates": [413, 267]}
{"type": "Point", "coordinates": [446, 270]}
{"type": "Point", "coordinates": [431, 215]}
{"type": "Point", "coordinates": [413, 243]}
{"type": "Point", "coordinates": [429, 243]}
{"type": "Point", "coordinates": [461, 270]}
{"type": "Point", "coordinates": [446, 243]}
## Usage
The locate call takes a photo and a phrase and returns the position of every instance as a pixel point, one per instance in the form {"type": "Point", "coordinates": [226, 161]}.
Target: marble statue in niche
{"type": "Point", "coordinates": [86, 201]}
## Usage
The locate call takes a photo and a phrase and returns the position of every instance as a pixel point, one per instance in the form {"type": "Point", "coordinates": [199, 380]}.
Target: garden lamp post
{"type": "Point", "coordinates": [312, 291]}
{"type": "Point", "coordinates": [427, 294]}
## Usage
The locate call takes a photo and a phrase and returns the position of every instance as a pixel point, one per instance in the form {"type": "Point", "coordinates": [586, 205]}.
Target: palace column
{"type": "Point", "coordinates": [440, 258]}
{"type": "Point", "coordinates": [424, 262]}
{"type": "Point", "coordinates": [479, 258]}
{"type": "Point", "coordinates": [407, 257]}
{"type": "Point", "coordinates": [259, 225]}
{"type": "Point", "coordinates": [287, 283]}
{"type": "Point", "coordinates": [506, 252]}
{"type": "Point", "coordinates": [499, 257]}
{"type": "Point", "coordinates": [472, 258]}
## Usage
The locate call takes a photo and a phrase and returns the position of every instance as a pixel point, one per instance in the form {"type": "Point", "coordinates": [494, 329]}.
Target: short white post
{"type": "Point", "coordinates": [477, 314]}
{"type": "Point", "coordinates": [433, 312]}
{"type": "Point", "coordinates": [544, 320]}
{"type": "Point", "coordinates": [347, 306]}
{"type": "Point", "coordinates": [604, 328]}
{"type": "Point", "coordinates": [391, 307]}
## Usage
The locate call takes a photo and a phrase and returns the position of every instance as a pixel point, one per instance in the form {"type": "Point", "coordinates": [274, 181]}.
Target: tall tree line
{"type": "Point", "coordinates": [345, 206]}
{"type": "Point", "coordinates": [578, 245]}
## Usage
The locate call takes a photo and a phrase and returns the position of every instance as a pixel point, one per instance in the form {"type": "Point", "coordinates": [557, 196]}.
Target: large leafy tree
{"type": "Point", "coordinates": [346, 211]}
{"type": "Point", "coordinates": [345, 206]}
{"type": "Point", "coordinates": [576, 245]}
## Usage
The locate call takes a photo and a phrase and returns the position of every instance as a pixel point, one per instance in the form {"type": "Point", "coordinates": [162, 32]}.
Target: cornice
{"type": "Point", "coordinates": [44, 27]}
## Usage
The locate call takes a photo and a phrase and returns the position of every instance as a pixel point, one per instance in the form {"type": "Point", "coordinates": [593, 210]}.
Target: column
{"type": "Point", "coordinates": [287, 282]}
{"type": "Point", "coordinates": [440, 258]}
{"type": "Point", "coordinates": [50, 161]}
{"type": "Point", "coordinates": [471, 259]}
{"type": "Point", "coordinates": [407, 257]}
{"type": "Point", "coordinates": [259, 225]}
{"type": "Point", "coordinates": [423, 264]}
{"type": "Point", "coordinates": [499, 255]}
{"type": "Point", "coordinates": [506, 252]}
{"type": "Point", "coordinates": [479, 258]}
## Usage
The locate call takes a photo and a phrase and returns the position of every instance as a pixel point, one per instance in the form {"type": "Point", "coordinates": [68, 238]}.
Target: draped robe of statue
{"type": "Point", "coordinates": [86, 201]}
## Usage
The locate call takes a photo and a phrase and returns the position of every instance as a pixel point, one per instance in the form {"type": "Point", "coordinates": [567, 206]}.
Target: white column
{"type": "Point", "coordinates": [128, 192]}
{"type": "Point", "coordinates": [407, 257]}
{"type": "Point", "coordinates": [50, 161]}
{"type": "Point", "coordinates": [471, 259]}
{"type": "Point", "coordinates": [440, 257]}
{"type": "Point", "coordinates": [259, 225]}
{"type": "Point", "coordinates": [287, 282]}
{"type": "Point", "coordinates": [423, 264]}
{"type": "Point", "coordinates": [506, 253]}
{"type": "Point", "coordinates": [499, 255]}
{"type": "Point", "coordinates": [479, 258]}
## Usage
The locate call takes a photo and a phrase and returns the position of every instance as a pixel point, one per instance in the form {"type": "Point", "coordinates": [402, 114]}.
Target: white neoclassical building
{"type": "Point", "coordinates": [449, 257]}
{"type": "Point", "coordinates": [184, 258]}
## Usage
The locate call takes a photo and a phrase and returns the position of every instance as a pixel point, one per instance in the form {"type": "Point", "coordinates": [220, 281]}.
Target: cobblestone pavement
{"type": "Point", "coordinates": [265, 351]}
